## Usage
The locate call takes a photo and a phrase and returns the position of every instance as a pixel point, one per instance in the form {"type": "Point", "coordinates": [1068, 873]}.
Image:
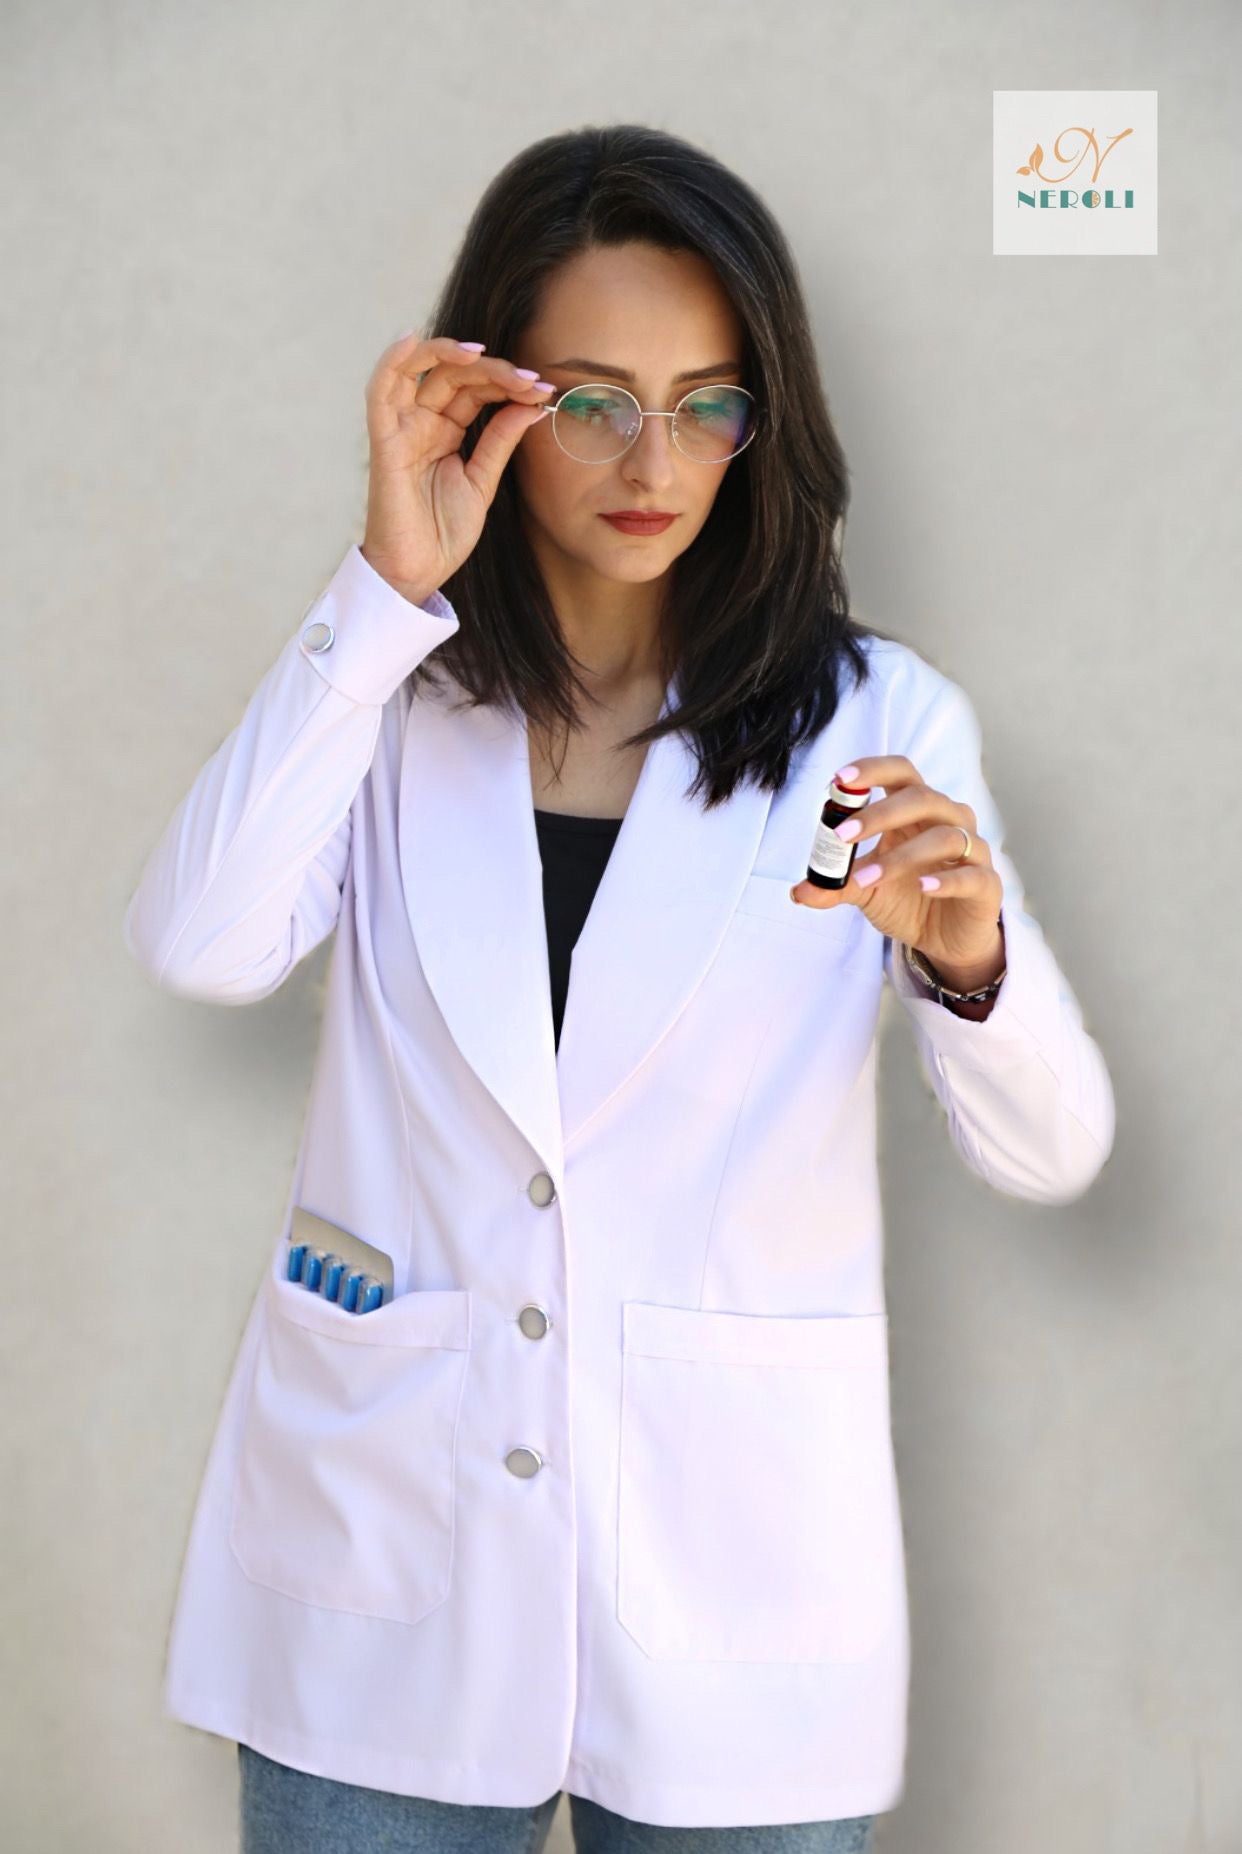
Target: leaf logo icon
{"type": "Point", "coordinates": [1035, 157]}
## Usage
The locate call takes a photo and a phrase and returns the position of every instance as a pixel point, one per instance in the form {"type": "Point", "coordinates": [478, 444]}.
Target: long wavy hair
{"type": "Point", "coordinates": [756, 623]}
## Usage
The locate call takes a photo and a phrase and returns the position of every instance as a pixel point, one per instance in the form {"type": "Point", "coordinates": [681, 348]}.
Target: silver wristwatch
{"type": "Point", "coordinates": [923, 967]}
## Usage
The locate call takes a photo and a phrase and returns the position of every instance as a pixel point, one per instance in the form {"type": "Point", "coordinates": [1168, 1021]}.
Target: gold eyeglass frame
{"type": "Point", "coordinates": [610, 386]}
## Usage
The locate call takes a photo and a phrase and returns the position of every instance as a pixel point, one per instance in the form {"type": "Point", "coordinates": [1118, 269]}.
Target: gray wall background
{"type": "Point", "coordinates": [215, 220]}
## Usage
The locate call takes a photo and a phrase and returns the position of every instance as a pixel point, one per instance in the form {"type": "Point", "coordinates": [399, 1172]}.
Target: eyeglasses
{"type": "Point", "coordinates": [598, 424]}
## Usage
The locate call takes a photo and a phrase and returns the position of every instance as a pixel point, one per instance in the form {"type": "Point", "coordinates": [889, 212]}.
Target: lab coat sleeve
{"type": "Point", "coordinates": [1026, 1089]}
{"type": "Point", "coordinates": [247, 877]}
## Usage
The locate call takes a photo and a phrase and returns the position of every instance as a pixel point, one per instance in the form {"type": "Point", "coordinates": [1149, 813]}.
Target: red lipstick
{"type": "Point", "coordinates": [640, 521]}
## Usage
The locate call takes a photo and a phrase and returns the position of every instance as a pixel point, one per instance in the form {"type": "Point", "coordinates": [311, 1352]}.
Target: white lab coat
{"type": "Point", "coordinates": [652, 1554]}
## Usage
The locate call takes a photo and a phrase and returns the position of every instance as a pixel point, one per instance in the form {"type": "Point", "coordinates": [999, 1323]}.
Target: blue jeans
{"type": "Point", "coordinates": [286, 1811]}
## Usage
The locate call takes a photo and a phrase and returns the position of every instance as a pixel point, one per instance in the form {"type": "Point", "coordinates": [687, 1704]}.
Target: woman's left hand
{"type": "Point", "coordinates": [954, 923]}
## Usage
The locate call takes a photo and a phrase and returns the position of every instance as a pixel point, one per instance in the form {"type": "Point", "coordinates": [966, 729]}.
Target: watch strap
{"type": "Point", "coordinates": [922, 966]}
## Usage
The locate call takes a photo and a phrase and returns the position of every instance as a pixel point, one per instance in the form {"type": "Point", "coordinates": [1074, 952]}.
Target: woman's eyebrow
{"type": "Point", "coordinates": [575, 364]}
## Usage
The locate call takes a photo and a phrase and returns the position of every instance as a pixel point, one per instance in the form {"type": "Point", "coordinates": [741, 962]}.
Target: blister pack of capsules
{"type": "Point", "coordinates": [331, 1261]}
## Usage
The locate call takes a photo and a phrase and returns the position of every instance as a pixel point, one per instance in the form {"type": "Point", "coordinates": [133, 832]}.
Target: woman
{"type": "Point", "coordinates": [602, 1498]}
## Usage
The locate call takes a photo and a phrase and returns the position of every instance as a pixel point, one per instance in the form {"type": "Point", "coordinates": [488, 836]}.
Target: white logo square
{"type": "Point", "coordinates": [1074, 173]}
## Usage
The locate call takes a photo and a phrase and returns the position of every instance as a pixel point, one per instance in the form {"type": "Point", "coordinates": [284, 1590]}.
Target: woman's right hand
{"type": "Point", "coordinates": [425, 507]}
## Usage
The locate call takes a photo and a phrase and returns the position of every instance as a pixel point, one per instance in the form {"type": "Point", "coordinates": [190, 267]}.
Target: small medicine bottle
{"type": "Point", "coordinates": [831, 860]}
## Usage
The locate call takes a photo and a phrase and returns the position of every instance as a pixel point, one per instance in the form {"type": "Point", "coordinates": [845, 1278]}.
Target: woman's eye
{"type": "Point", "coordinates": [588, 408]}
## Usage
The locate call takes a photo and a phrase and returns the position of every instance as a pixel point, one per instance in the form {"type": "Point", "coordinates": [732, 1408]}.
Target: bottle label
{"type": "Point", "coordinates": [829, 856]}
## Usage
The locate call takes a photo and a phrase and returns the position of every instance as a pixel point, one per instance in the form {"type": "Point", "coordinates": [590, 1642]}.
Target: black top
{"type": "Point", "coordinates": [574, 853]}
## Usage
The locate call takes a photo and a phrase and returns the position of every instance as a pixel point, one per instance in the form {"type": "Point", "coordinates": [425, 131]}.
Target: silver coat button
{"type": "Point", "coordinates": [524, 1462]}
{"type": "Point", "coordinates": [541, 1189]}
{"type": "Point", "coordinates": [319, 636]}
{"type": "Point", "coordinates": [534, 1320]}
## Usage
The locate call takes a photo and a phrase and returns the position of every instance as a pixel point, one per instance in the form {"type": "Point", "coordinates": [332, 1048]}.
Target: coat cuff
{"type": "Point", "coordinates": [363, 638]}
{"type": "Point", "coordinates": [1024, 1014]}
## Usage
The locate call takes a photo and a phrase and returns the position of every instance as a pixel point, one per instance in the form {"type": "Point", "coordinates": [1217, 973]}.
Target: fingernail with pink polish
{"type": "Point", "coordinates": [847, 773]}
{"type": "Point", "coordinates": [929, 881]}
{"type": "Point", "coordinates": [849, 830]}
{"type": "Point", "coordinates": [865, 877]}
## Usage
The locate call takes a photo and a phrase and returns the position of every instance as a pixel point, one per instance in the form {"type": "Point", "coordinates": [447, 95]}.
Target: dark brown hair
{"type": "Point", "coordinates": [757, 625]}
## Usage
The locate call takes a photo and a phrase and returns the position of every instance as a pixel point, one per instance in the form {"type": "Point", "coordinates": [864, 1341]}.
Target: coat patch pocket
{"type": "Point", "coordinates": [841, 931]}
{"type": "Point", "coordinates": [344, 1490]}
{"type": "Point", "coordinates": [758, 1514]}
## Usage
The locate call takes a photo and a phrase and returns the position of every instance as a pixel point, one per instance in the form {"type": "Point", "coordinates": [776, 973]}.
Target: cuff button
{"type": "Point", "coordinates": [318, 637]}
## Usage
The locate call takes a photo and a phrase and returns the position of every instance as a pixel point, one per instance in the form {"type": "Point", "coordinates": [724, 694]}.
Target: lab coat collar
{"type": "Point", "coordinates": [473, 886]}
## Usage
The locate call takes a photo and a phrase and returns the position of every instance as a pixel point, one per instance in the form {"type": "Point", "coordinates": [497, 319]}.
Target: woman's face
{"type": "Point", "coordinates": [659, 324]}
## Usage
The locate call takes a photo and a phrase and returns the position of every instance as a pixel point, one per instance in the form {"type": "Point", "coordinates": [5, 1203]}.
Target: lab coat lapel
{"type": "Point", "coordinates": [672, 882]}
{"type": "Point", "coordinates": [473, 888]}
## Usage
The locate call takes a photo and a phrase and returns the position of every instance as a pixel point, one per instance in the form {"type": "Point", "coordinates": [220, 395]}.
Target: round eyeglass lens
{"type": "Point", "coordinates": [596, 423]}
